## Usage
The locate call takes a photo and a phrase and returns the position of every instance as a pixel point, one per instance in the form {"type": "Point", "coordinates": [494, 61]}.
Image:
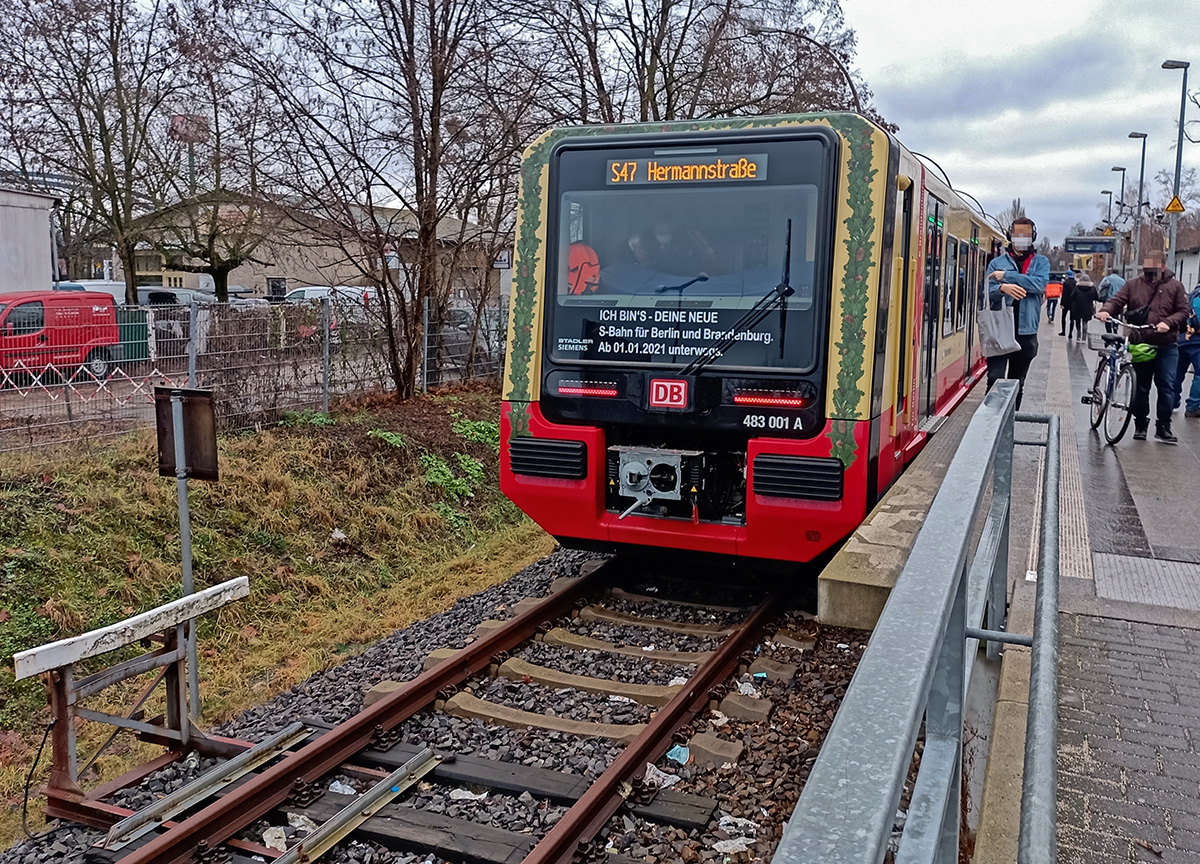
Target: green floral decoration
{"type": "Point", "coordinates": [851, 346]}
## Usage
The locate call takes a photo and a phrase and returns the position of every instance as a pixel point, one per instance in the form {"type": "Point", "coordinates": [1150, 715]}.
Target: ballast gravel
{"type": "Point", "coordinates": [337, 694]}
{"type": "Point", "coordinates": [641, 637]}
{"type": "Point", "coordinates": [601, 664]}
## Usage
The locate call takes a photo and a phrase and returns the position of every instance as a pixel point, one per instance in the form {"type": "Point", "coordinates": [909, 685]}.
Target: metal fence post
{"type": "Point", "coordinates": [1038, 842]}
{"type": "Point", "coordinates": [193, 343]}
{"type": "Point", "coordinates": [1001, 492]}
{"type": "Point", "coordinates": [425, 347]}
{"type": "Point", "coordinates": [326, 327]}
{"type": "Point", "coordinates": [185, 544]}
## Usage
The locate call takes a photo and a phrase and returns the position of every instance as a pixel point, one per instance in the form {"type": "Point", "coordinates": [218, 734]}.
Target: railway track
{"type": "Point", "coordinates": [287, 779]}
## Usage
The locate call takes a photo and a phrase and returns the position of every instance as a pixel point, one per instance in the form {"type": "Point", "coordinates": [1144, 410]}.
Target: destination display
{"type": "Point", "coordinates": [687, 169]}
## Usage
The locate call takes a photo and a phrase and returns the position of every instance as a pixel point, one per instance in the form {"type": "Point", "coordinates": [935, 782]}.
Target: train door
{"type": "Point", "coordinates": [932, 308]}
{"type": "Point", "coordinates": [907, 319]}
{"type": "Point", "coordinates": [968, 300]}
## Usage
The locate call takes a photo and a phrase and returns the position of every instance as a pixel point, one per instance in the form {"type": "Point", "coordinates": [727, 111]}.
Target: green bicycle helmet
{"type": "Point", "coordinates": [1142, 352]}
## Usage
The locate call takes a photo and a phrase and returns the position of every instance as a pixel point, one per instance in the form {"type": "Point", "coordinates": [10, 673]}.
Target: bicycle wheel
{"type": "Point", "coordinates": [1099, 392]}
{"type": "Point", "coordinates": [1116, 420]}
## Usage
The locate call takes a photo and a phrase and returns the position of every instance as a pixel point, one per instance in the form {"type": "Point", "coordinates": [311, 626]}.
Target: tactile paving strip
{"type": "Point", "coordinates": [1074, 545]}
{"type": "Point", "coordinates": [1153, 581]}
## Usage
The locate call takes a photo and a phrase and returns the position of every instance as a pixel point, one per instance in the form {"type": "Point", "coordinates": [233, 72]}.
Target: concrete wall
{"type": "Point", "coordinates": [26, 257]}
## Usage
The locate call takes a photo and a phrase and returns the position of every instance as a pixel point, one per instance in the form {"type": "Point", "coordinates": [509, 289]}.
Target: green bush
{"type": "Point", "coordinates": [307, 417]}
{"type": "Point", "coordinates": [393, 438]}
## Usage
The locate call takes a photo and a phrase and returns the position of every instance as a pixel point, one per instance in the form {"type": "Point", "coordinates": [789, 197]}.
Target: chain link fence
{"type": "Point", "coordinates": [71, 374]}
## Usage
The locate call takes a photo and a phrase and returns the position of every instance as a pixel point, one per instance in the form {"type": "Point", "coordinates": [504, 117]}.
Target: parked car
{"type": "Point", "coordinates": [105, 286]}
{"type": "Point", "coordinates": [364, 296]}
{"type": "Point", "coordinates": [66, 286]}
{"type": "Point", "coordinates": [157, 295]}
{"type": "Point", "coordinates": [60, 329]}
{"type": "Point", "coordinates": [351, 303]}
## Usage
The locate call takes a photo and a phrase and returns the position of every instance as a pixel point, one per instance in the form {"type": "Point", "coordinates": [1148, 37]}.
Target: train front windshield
{"type": "Point", "coordinates": [660, 252]}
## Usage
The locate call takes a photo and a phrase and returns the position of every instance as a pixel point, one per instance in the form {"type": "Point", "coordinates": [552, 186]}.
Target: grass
{"type": "Point", "coordinates": [412, 486]}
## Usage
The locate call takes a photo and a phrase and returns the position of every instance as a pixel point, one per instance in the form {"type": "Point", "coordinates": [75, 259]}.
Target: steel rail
{"type": "Point", "coordinates": [225, 817]}
{"type": "Point", "coordinates": [590, 813]}
{"type": "Point", "coordinates": [360, 809]}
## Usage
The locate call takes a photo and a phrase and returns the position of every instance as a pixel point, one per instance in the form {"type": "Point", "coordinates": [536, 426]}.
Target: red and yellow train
{"type": "Point", "coordinates": [731, 336]}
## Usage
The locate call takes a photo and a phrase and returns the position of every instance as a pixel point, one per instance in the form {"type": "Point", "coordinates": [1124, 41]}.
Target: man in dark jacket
{"type": "Point", "coordinates": [1163, 294]}
{"type": "Point", "coordinates": [1068, 296]}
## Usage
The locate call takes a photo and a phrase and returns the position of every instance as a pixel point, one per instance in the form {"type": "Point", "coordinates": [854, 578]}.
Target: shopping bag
{"type": "Point", "coordinates": [997, 331]}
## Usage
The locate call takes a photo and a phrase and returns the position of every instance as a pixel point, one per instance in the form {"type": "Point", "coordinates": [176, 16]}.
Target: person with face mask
{"type": "Point", "coordinates": [1018, 276]}
{"type": "Point", "coordinates": [1159, 296]}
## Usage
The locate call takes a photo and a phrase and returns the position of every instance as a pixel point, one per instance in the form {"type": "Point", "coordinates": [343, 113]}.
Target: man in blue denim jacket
{"type": "Point", "coordinates": [1018, 277]}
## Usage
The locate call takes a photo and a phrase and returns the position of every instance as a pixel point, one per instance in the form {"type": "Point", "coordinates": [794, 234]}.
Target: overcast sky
{"type": "Point", "coordinates": [1037, 105]}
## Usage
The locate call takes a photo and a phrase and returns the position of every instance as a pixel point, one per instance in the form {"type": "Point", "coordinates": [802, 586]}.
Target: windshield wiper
{"type": "Point", "coordinates": [777, 296]}
{"type": "Point", "coordinates": [678, 289]}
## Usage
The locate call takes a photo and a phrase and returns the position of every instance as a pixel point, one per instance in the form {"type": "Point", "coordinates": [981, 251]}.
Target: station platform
{"type": "Point", "coordinates": [1129, 644]}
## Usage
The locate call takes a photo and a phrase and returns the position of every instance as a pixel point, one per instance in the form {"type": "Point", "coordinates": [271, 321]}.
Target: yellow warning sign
{"type": "Point", "coordinates": [1176, 206]}
{"type": "Point", "coordinates": [1108, 232]}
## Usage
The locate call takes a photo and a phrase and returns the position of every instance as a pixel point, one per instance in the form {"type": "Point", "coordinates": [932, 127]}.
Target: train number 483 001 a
{"type": "Point", "coordinates": [765, 421]}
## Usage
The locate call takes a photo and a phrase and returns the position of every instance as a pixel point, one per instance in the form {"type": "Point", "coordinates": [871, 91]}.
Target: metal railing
{"type": "Point", "coordinates": [918, 667]}
{"type": "Point", "coordinates": [83, 378]}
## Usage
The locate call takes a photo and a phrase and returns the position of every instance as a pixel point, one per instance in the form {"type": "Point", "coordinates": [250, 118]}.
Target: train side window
{"type": "Point", "coordinates": [948, 286]}
{"type": "Point", "coordinates": [933, 264]}
{"type": "Point", "coordinates": [985, 258]}
{"type": "Point", "coordinates": [964, 277]}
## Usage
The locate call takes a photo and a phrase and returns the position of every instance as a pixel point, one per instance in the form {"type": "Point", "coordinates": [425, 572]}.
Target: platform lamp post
{"type": "Point", "coordinates": [1109, 221]}
{"type": "Point", "coordinates": [1137, 225]}
{"type": "Point", "coordinates": [1177, 64]}
{"type": "Point", "coordinates": [1120, 207]}
{"type": "Point", "coordinates": [756, 30]}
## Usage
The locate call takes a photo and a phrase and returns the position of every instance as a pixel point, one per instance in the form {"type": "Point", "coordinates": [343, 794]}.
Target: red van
{"type": "Point", "coordinates": [60, 329]}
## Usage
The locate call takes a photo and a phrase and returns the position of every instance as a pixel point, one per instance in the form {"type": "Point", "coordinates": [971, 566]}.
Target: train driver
{"type": "Point", "coordinates": [669, 249]}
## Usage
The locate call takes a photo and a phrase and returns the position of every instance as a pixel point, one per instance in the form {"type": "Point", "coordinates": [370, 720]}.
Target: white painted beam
{"type": "Point", "coordinates": [67, 651]}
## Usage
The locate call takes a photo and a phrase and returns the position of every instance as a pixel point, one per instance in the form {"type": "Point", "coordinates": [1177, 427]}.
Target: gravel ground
{"type": "Point", "coordinates": [568, 703]}
{"type": "Point", "coordinates": [717, 590]}
{"type": "Point", "coordinates": [337, 693]}
{"type": "Point", "coordinates": [534, 747]}
{"type": "Point", "coordinates": [674, 611]}
{"type": "Point", "coordinates": [643, 637]}
{"type": "Point", "coordinates": [601, 664]}
{"type": "Point", "coordinates": [765, 783]}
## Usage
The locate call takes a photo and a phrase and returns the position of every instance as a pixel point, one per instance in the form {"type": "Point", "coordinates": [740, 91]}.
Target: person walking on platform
{"type": "Point", "coordinates": [1156, 298]}
{"type": "Point", "coordinates": [1021, 274]}
{"type": "Point", "coordinates": [1189, 356]}
{"type": "Point", "coordinates": [1109, 286]}
{"type": "Point", "coordinates": [1053, 292]}
{"type": "Point", "coordinates": [1083, 306]}
{"type": "Point", "coordinates": [1068, 295]}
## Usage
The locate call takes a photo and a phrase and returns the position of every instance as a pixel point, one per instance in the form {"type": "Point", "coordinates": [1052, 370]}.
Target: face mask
{"type": "Point", "coordinates": [1022, 243]}
{"type": "Point", "coordinates": [663, 238]}
{"type": "Point", "coordinates": [1150, 273]}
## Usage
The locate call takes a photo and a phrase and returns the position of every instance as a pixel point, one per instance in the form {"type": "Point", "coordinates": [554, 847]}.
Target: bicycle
{"type": "Point", "coordinates": [1111, 394]}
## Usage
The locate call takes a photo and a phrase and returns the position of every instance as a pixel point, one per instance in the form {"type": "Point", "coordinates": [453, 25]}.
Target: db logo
{"type": "Point", "coordinates": [665, 393]}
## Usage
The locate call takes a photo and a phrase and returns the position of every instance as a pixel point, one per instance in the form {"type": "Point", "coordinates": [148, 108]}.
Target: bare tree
{"type": "Point", "coordinates": [86, 87]}
{"type": "Point", "coordinates": [215, 214]}
{"type": "Point", "coordinates": [1016, 210]}
{"type": "Point", "coordinates": [656, 60]}
{"type": "Point", "coordinates": [391, 117]}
